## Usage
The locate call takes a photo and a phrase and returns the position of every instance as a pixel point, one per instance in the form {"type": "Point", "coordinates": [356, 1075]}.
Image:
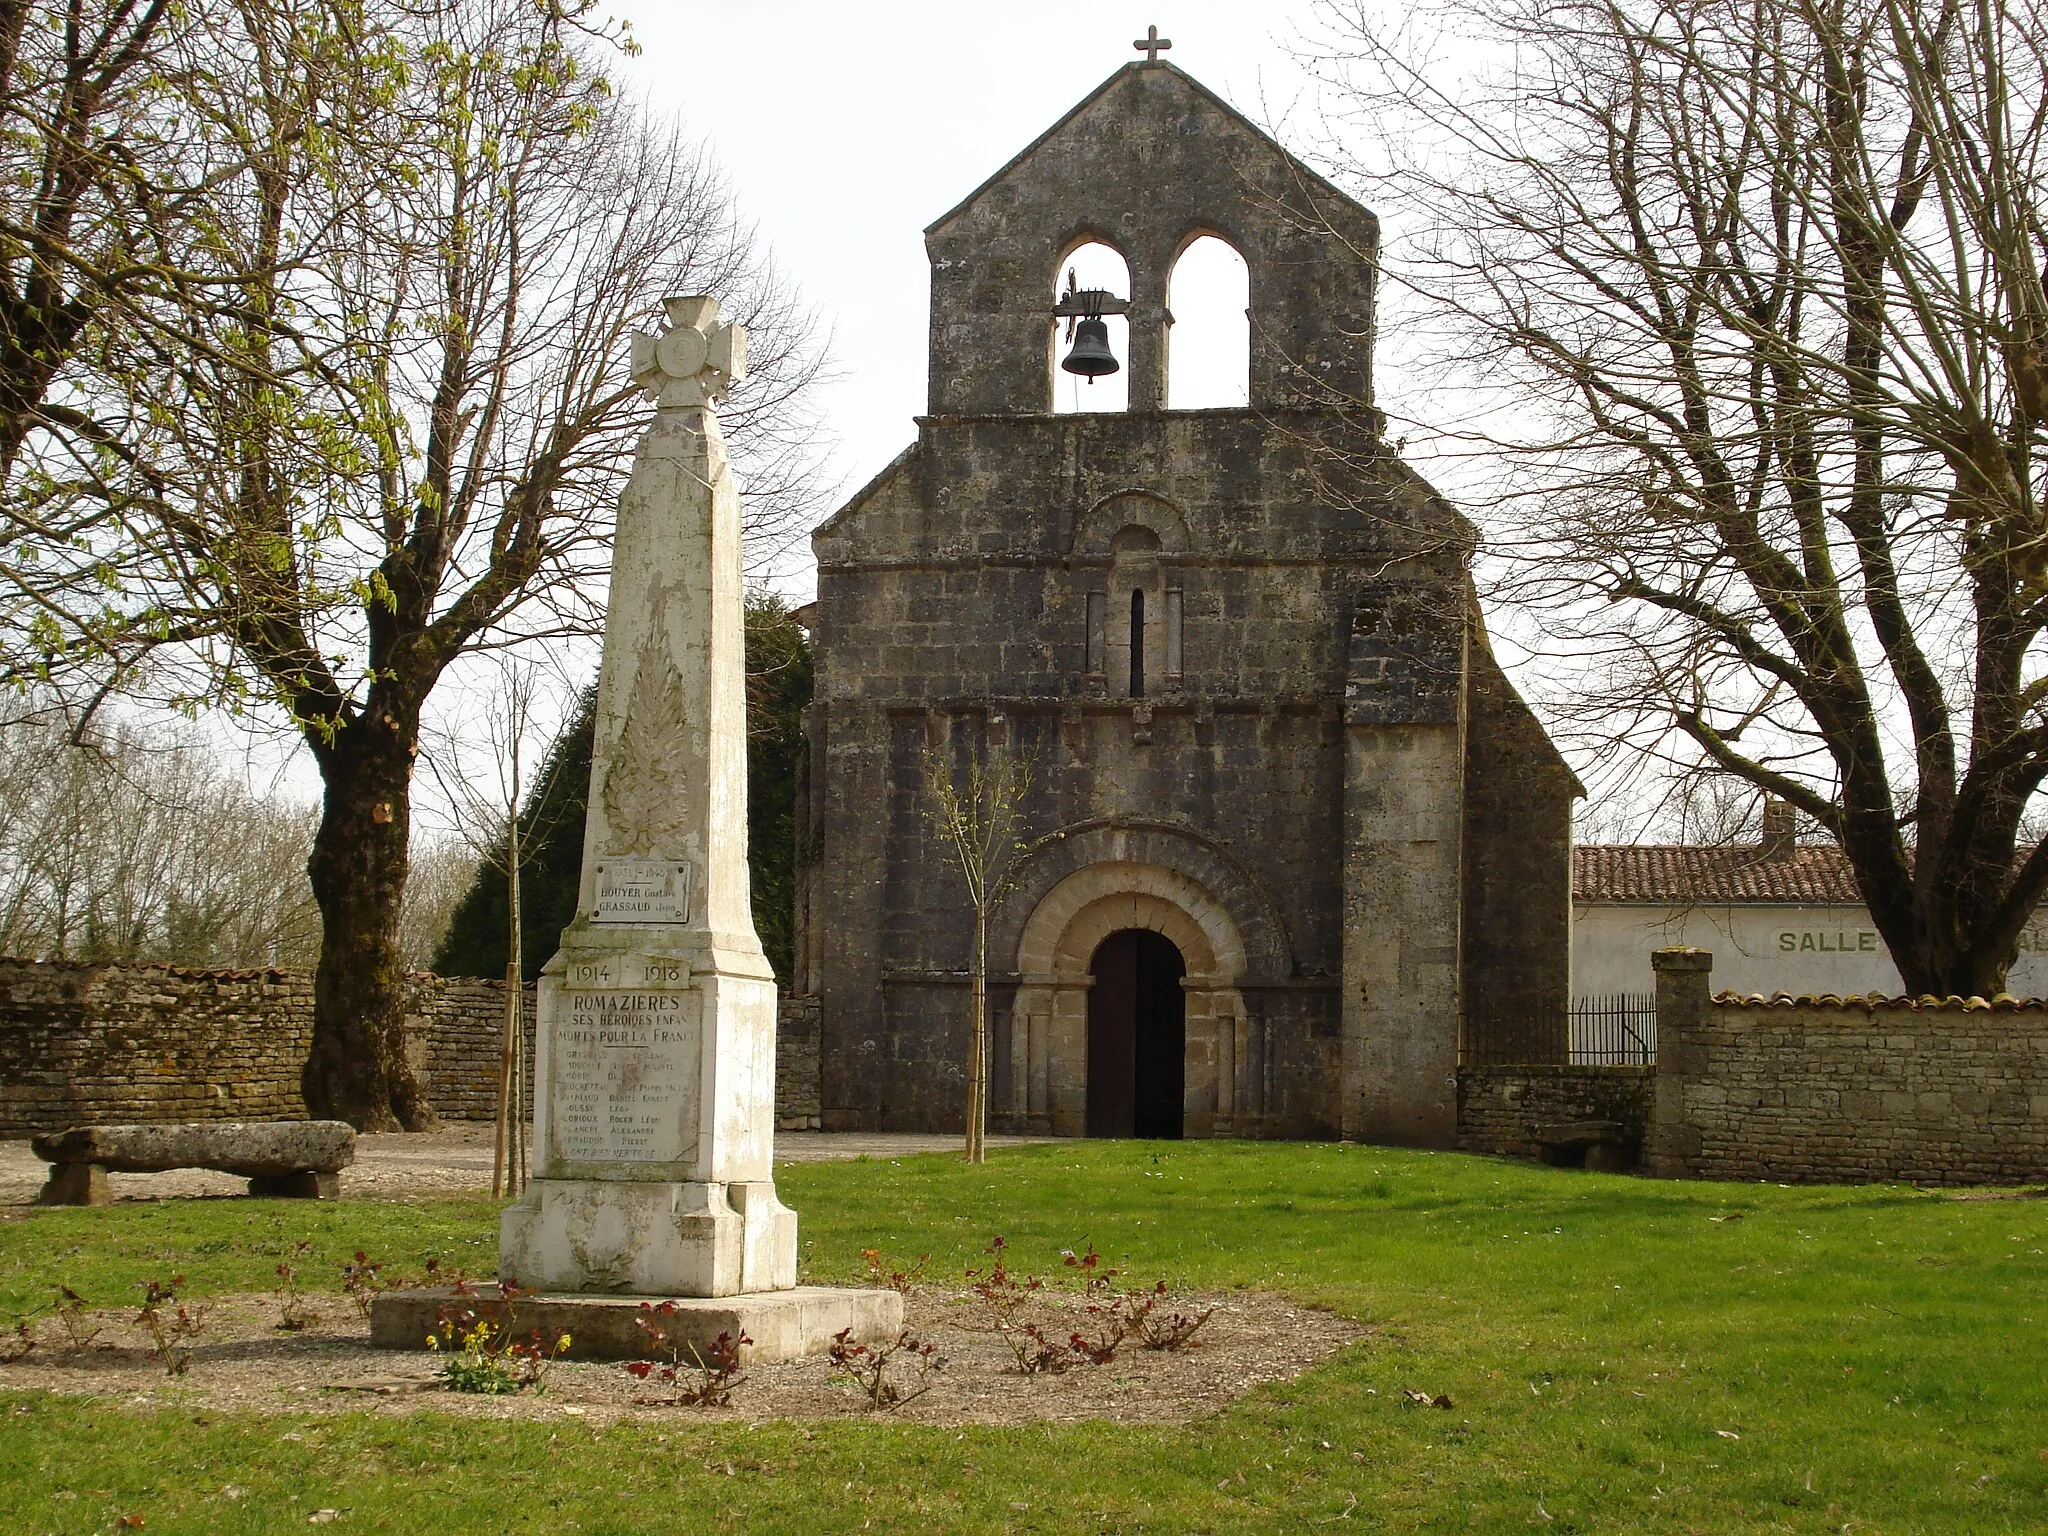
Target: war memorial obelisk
{"type": "Point", "coordinates": [654, 1086]}
{"type": "Point", "coordinates": [654, 1082]}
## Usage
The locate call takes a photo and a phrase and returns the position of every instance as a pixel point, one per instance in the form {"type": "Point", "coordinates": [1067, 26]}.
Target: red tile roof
{"type": "Point", "coordinates": [1676, 874]}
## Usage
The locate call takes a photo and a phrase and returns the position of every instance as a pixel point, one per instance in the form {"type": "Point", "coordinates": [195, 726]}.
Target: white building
{"type": "Point", "coordinates": [1778, 916]}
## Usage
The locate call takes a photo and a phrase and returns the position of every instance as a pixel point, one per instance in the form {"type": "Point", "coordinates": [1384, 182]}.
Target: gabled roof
{"type": "Point", "coordinates": [1187, 81]}
{"type": "Point", "coordinates": [868, 492]}
{"type": "Point", "coordinates": [1680, 874]}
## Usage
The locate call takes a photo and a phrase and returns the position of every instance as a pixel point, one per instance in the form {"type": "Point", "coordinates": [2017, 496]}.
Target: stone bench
{"type": "Point", "coordinates": [299, 1159]}
{"type": "Point", "coordinates": [1605, 1146]}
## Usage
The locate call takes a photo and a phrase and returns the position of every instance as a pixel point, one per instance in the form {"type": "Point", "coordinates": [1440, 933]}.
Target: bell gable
{"type": "Point", "coordinates": [1149, 162]}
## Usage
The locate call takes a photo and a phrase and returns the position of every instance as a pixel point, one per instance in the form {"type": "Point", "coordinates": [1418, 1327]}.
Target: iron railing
{"type": "Point", "coordinates": [1615, 1029]}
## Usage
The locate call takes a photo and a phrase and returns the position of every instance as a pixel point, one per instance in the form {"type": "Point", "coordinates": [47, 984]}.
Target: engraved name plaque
{"type": "Point", "coordinates": [624, 1077]}
{"type": "Point", "coordinates": [642, 891]}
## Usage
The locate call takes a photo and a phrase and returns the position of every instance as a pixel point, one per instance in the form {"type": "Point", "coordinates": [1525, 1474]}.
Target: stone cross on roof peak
{"type": "Point", "coordinates": [1152, 45]}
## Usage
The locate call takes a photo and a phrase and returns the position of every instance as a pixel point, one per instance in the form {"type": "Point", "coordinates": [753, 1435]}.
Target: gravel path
{"type": "Point", "coordinates": [454, 1161]}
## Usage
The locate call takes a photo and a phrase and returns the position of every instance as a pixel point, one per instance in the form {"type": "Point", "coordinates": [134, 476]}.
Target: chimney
{"type": "Point", "coordinates": [1781, 830]}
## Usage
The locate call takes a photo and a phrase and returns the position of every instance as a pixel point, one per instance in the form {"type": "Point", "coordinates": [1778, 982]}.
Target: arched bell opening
{"type": "Point", "coordinates": [1137, 1037]}
{"type": "Point", "coordinates": [1091, 267]}
{"type": "Point", "coordinates": [1209, 336]}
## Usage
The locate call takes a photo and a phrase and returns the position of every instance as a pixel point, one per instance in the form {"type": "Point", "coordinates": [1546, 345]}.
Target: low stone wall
{"type": "Point", "coordinates": [1845, 1090]}
{"type": "Point", "coordinates": [797, 1064]}
{"type": "Point", "coordinates": [1499, 1108]}
{"type": "Point", "coordinates": [84, 1044]}
{"type": "Point", "coordinates": [109, 1044]}
{"type": "Point", "coordinates": [455, 1028]}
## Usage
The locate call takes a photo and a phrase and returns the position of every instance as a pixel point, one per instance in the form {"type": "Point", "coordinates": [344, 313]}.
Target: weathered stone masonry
{"type": "Point", "coordinates": [1500, 1108]}
{"type": "Point", "coordinates": [1798, 1090]}
{"type": "Point", "coordinates": [85, 1044]}
{"type": "Point", "coordinates": [796, 1064]}
{"type": "Point", "coordinates": [1325, 794]}
{"type": "Point", "coordinates": [1791, 1090]}
{"type": "Point", "coordinates": [88, 1044]}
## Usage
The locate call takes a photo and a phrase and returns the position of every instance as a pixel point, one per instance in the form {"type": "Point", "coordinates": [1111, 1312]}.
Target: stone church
{"type": "Point", "coordinates": [1293, 846]}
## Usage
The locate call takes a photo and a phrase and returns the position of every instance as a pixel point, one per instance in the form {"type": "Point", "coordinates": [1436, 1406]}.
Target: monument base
{"type": "Point", "coordinates": [648, 1239]}
{"type": "Point", "coordinates": [784, 1325]}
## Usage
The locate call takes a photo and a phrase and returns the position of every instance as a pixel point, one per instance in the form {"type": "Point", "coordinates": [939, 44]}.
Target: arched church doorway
{"type": "Point", "coordinates": [1137, 1037]}
{"type": "Point", "coordinates": [1046, 1034]}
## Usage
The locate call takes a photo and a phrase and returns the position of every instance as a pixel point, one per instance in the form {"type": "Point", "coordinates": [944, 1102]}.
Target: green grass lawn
{"type": "Point", "coordinates": [1878, 1352]}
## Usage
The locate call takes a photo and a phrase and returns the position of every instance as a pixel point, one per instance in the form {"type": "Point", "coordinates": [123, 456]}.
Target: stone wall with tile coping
{"type": "Point", "coordinates": [1845, 1090]}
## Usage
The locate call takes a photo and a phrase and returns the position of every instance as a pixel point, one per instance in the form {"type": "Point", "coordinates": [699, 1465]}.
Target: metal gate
{"type": "Point", "coordinates": [1616, 1029]}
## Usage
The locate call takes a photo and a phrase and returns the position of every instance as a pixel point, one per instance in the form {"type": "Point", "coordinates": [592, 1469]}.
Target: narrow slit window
{"type": "Point", "coordinates": [1174, 606]}
{"type": "Point", "coordinates": [1097, 605]}
{"type": "Point", "coordinates": [1138, 643]}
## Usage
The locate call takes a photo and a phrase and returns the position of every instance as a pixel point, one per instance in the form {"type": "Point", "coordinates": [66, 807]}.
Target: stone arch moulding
{"type": "Point", "coordinates": [1048, 1025]}
{"type": "Point", "coordinates": [1242, 896]}
{"type": "Point", "coordinates": [1245, 253]}
{"type": "Point", "coordinates": [1095, 530]}
{"type": "Point", "coordinates": [1077, 887]}
{"type": "Point", "coordinates": [1090, 234]}
{"type": "Point", "coordinates": [1209, 229]}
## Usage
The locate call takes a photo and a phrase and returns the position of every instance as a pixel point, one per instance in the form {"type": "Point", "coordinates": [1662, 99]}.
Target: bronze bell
{"type": "Point", "coordinates": [1091, 357]}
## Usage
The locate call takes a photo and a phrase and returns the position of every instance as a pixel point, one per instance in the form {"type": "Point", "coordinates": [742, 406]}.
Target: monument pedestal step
{"type": "Point", "coordinates": [784, 1325]}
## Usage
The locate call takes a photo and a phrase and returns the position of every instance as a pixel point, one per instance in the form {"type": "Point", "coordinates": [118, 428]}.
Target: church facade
{"type": "Point", "coordinates": [1292, 846]}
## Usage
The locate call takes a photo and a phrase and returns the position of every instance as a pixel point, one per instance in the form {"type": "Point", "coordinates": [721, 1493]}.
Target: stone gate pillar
{"type": "Point", "coordinates": [1685, 992]}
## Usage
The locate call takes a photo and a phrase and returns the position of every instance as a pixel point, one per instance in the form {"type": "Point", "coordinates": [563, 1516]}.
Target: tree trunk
{"type": "Point", "coordinates": [977, 1047]}
{"type": "Point", "coordinates": [358, 1070]}
{"type": "Point", "coordinates": [34, 343]}
{"type": "Point", "coordinates": [504, 1176]}
{"type": "Point", "coordinates": [1943, 968]}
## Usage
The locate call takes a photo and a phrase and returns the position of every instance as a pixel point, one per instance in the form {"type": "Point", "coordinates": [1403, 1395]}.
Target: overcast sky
{"type": "Point", "coordinates": [848, 128]}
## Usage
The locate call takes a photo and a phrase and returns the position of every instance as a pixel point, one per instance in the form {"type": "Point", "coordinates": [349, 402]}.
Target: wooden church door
{"type": "Point", "coordinates": [1137, 1037]}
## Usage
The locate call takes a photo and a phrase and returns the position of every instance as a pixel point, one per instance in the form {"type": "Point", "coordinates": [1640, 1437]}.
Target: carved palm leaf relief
{"type": "Point", "coordinates": [644, 785]}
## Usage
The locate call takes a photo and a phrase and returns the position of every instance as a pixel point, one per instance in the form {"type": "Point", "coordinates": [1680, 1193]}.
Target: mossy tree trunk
{"type": "Point", "coordinates": [358, 1069]}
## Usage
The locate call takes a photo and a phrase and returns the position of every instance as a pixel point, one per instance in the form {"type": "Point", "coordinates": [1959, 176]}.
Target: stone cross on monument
{"type": "Point", "coordinates": [1152, 45]}
{"type": "Point", "coordinates": [654, 1095]}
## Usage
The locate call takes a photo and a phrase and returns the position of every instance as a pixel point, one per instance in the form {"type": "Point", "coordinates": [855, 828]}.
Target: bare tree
{"type": "Point", "coordinates": [976, 812]}
{"type": "Point", "coordinates": [401, 442]}
{"type": "Point", "coordinates": [1749, 298]}
{"type": "Point", "coordinates": [95, 159]}
{"type": "Point", "coordinates": [493, 817]}
{"type": "Point", "coordinates": [144, 846]}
